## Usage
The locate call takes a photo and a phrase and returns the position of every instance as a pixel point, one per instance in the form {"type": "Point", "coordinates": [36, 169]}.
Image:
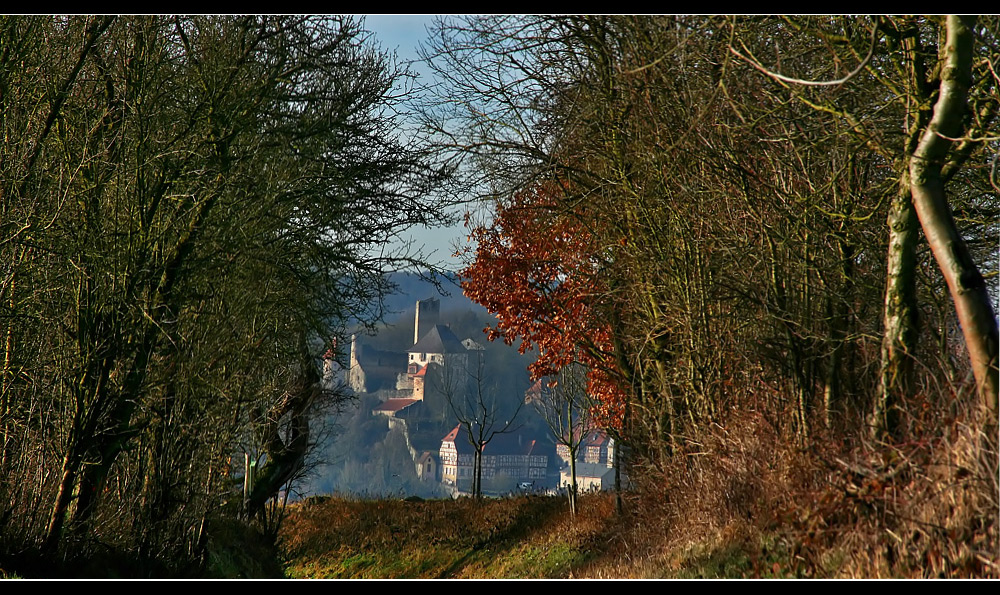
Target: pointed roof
{"type": "Point", "coordinates": [439, 339]}
{"type": "Point", "coordinates": [514, 443]}
{"type": "Point", "coordinates": [502, 444]}
{"type": "Point", "coordinates": [534, 393]}
{"type": "Point", "coordinates": [450, 437]}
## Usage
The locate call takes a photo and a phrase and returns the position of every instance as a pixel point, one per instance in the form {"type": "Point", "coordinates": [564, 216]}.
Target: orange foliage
{"type": "Point", "coordinates": [536, 268]}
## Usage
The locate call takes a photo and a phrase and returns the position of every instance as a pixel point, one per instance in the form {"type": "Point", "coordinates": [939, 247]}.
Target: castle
{"type": "Point", "coordinates": [436, 359]}
{"type": "Point", "coordinates": [372, 370]}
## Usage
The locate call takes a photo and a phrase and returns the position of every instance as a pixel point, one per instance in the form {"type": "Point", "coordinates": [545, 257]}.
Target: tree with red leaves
{"type": "Point", "coordinates": [539, 268]}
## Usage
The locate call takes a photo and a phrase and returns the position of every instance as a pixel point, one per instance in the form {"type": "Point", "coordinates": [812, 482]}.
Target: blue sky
{"type": "Point", "coordinates": [403, 34]}
{"type": "Point", "coordinates": [400, 32]}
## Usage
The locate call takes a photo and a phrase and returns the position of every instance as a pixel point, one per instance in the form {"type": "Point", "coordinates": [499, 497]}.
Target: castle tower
{"type": "Point", "coordinates": [427, 315]}
{"type": "Point", "coordinates": [355, 375]}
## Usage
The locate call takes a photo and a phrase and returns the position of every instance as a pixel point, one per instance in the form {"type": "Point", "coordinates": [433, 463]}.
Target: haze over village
{"type": "Point", "coordinates": [412, 383]}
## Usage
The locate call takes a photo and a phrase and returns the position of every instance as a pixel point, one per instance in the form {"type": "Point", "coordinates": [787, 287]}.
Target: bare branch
{"type": "Point", "coordinates": [797, 81]}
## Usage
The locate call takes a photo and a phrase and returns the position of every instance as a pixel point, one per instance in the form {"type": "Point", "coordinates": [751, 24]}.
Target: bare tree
{"type": "Point", "coordinates": [478, 405]}
{"type": "Point", "coordinates": [566, 407]}
{"type": "Point", "coordinates": [936, 77]}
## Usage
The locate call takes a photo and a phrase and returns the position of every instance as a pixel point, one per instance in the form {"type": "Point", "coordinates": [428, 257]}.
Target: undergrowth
{"type": "Point", "coordinates": [746, 502]}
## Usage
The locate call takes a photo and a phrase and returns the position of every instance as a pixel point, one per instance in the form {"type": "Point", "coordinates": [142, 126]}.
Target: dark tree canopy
{"type": "Point", "coordinates": [192, 209]}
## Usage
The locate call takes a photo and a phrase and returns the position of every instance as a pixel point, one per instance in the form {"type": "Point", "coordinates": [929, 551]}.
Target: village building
{"type": "Point", "coordinates": [371, 369]}
{"type": "Point", "coordinates": [399, 408]}
{"type": "Point", "coordinates": [437, 355]}
{"type": "Point", "coordinates": [534, 394]}
{"type": "Point", "coordinates": [428, 314]}
{"type": "Point", "coordinates": [595, 462]}
{"type": "Point", "coordinates": [589, 477]}
{"type": "Point", "coordinates": [427, 467]}
{"type": "Point", "coordinates": [439, 346]}
{"type": "Point", "coordinates": [512, 455]}
{"type": "Point", "coordinates": [596, 448]}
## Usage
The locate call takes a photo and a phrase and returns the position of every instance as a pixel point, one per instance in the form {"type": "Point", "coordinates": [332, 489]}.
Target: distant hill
{"type": "Point", "coordinates": [413, 287]}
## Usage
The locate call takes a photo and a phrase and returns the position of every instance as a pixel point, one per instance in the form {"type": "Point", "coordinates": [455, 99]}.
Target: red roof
{"type": "Point", "coordinates": [500, 444]}
{"type": "Point", "coordinates": [534, 393]}
{"type": "Point", "coordinates": [595, 438]}
{"type": "Point", "coordinates": [452, 434]}
{"type": "Point", "coordinates": [395, 404]}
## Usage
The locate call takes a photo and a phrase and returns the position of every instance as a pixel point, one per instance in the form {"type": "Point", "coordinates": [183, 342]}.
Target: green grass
{"type": "Point", "coordinates": [434, 539]}
{"type": "Point", "coordinates": [514, 538]}
{"type": "Point", "coordinates": [758, 558]}
{"type": "Point", "coordinates": [434, 563]}
{"type": "Point", "coordinates": [534, 537]}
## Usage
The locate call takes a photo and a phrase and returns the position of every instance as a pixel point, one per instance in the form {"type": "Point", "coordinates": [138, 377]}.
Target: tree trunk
{"type": "Point", "coordinates": [838, 311]}
{"type": "Point", "coordinates": [477, 478]}
{"type": "Point", "coordinates": [899, 312]}
{"type": "Point", "coordinates": [572, 485]}
{"type": "Point", "coordinates": [618, 481]}
{"type": "Point", "coordinates": [60, 508]}
{"type": "Point", "coordinates": [286, 454]}
{"type": "Point", "coordinates": [965, 283]}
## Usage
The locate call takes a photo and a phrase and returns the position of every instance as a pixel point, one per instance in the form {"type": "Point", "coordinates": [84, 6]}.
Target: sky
{"type": "Point", "coordinates": [403, 34]}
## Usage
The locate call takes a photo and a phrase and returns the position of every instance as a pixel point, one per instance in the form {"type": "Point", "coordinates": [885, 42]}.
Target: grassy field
{"type": "Point", "coordinates": [919, 510]}
{"type": "Point", "coordinates": [523, 537]}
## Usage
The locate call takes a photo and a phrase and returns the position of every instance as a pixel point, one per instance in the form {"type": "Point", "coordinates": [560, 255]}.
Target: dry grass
{"type": "Point", "coordinates": [741, 501]}
{"type": "Point", "coordinates": [348, 538]}
{"type": "Point", "coordinates": [917, 509]}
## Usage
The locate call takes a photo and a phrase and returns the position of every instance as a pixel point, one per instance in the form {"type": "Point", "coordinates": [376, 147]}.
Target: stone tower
{"type": "Point", "coordinates": [427, 315]}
